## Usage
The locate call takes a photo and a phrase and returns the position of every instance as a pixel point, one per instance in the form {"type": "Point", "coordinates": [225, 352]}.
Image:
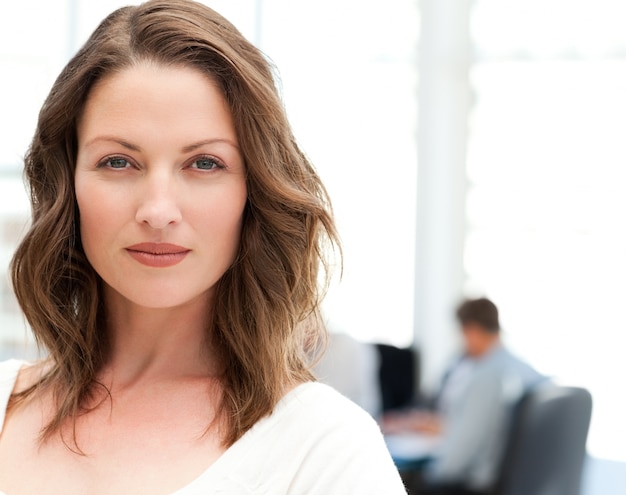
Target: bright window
{"type": "Point", "coordinates": [546, 205]}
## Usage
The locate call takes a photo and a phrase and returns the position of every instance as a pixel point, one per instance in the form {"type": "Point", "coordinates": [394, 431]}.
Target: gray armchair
{"type": "Point", "coordinates": [546, 447]}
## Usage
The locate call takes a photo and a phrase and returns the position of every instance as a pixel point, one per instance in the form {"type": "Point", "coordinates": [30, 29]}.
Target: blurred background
{"type": "Point", "coordinates": [471, 147]}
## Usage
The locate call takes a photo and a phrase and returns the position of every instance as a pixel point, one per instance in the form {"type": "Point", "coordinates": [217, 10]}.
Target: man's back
{"type": "Point", "coordinates": [476, 407]}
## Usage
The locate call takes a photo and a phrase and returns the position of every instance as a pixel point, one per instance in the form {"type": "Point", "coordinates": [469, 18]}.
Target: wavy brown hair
{"type": "Point", "coordinates": [264, 299]}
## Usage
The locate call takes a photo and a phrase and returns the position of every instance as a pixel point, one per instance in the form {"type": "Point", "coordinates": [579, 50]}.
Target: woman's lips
{"type": "Point", "coordinates": [157, 254]}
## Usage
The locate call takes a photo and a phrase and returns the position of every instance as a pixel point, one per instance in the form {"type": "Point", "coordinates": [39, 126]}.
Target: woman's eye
{"type": "Point", "coordinates": [206, 163]}
{"type": "Point", "coordinates": [116, 163]}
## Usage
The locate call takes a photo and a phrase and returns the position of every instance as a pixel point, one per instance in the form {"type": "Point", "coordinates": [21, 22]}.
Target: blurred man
{"type": "Point", "coordinates": [474, 405]}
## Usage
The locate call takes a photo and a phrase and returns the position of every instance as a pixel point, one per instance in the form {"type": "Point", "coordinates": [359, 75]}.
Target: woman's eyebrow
{"type": "Point", "coordinates": [113, 139]}
{"type": "Point", "coordinates": [198, 144]}
{"type": "Point", "coordinates": [185, 149]}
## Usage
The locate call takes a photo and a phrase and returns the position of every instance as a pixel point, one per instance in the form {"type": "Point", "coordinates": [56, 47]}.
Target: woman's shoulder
{"type": "Point", "coordinates": [19, 375]}
{"type": "Point", "coordinates": [15, 376]}
{"type": "Point", "coordinates": [312, 425]}
{"type": "Point", "coordinates": [318, 404]}
{"type": "Point", "coordinates": [308, 417]}
{"type": "Point", "coordinates": [9, 371]}
{"type": "Point", "coordinates": [9, 374]}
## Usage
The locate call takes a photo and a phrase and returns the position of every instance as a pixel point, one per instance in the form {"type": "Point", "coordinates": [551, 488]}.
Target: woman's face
{"type": "Point", "coordinates": [160, 185]}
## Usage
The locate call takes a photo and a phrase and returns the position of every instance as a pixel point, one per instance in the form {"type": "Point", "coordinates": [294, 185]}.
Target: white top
{"type": "Point", "coordinates": [316, 442]}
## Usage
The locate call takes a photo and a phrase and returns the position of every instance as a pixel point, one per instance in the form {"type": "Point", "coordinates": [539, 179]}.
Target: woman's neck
{"type": "Point", "coordinates": [160, 344]}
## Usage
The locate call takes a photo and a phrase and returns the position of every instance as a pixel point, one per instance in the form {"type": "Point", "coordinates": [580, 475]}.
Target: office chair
{"type": "Point", "coordinates": [546, 446]}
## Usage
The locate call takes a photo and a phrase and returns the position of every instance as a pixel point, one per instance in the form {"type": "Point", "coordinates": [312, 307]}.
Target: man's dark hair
{"type": "Point", "coordinates": [479, 311]}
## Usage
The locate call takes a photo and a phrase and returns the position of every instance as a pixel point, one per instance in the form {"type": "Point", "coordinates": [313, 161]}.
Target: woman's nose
{"type": "Point", "coordinates": [158, 204]}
